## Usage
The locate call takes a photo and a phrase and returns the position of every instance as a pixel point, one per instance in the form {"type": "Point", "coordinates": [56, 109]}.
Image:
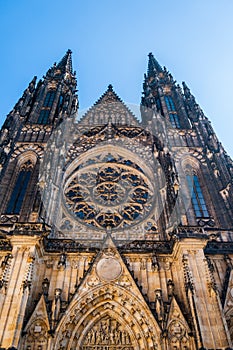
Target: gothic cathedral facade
{"type": "Point", "coordinates": [115, 230]}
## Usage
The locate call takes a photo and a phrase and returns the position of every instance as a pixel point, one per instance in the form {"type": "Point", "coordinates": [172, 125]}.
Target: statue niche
{"type": "Point", "coordinates": [107, 334]}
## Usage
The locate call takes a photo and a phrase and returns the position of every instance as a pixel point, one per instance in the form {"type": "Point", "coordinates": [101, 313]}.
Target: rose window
{"type": "Point", "coordinates": [110, 192]}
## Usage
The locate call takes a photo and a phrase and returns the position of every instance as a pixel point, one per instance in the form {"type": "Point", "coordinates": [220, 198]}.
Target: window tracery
{"type": "Point", "coordinates": [110, 193]}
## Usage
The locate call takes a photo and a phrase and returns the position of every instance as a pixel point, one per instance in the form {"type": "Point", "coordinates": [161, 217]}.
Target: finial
{"type": "Point", "coordinates": [186, 89]}
{"type": "Point", "coordinates": [153, 66]}
{"type": "Point", "coordinates": [65, 65]}
{"type": "Point", "coordinates": [110, 87]}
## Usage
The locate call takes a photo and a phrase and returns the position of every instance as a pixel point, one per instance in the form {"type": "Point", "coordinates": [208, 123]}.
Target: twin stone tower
{"type": "Point", "coordinates": [116, 232]}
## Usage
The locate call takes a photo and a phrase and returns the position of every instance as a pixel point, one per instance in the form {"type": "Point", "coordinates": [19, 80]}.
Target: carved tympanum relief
{"type": "Point", "coordinates": [107, 334]}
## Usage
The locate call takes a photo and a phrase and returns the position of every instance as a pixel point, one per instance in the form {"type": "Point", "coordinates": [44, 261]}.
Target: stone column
{"type": "Point", "coordinates": [11, 305]}
{"type": "Point", "coordinates": [211, 330]}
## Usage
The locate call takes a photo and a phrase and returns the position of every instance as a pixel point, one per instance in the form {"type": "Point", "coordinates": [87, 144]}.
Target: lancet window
{"type": "Point", "coordinates": [174, 118]}
{"type": "Point", "coordinates": [47, 105]}
{"type": "Point", "coordinates": [49, 98]}
{"type": "Point", "coordinates": [44, 116]}
{"type": "Point", "coordinates": [20, 188]}
{"type": "Point", "coordinates": [197, 198]}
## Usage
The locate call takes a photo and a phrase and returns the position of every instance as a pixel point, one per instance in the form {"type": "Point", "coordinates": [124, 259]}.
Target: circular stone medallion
{"type": "Point", "coordinates": [108, 269]}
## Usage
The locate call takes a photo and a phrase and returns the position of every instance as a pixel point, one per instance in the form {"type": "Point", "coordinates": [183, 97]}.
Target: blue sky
{"type": "Point", "coordinates": [110, 41]}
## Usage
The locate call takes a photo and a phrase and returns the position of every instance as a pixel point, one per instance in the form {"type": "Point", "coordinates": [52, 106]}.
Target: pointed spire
{"type": "Point", "coordinates": [65, 65]}
{"type": "Point", "coordinates": [153, 66]}
{"type": "Point", "coordinates": [186, 89]}
{"type": "Point", "coordinates": [187, 93]}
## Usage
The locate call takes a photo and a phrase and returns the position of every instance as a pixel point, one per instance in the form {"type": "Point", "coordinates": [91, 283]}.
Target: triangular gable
{"type": "Point", "coordinates": [108, 290]}
{"type": "Point", "coordinates": [40, 312]}
{"type": "Point", "coordinates": [109, 108]}
{"type": "Point", "coordinates": [175, 313]}
{"type": "Point", "coordinates": [109, 267]}
{"type": "Point", "coordinates": [178, 331]}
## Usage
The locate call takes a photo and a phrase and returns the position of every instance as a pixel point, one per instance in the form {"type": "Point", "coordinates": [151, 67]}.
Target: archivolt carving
{"type": "Point", "coordinates": [29, 148]}
{"type": "Point", "coordinates": [108, 333]}
{"type": "Point", "coordinates": [110, 307]}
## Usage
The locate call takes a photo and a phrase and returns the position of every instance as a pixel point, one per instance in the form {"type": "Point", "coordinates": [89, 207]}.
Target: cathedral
{"type": "Point", "coordinates": [115, 226]}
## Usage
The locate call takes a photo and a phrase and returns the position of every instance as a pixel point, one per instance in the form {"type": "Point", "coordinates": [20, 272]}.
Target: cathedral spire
{"type": "Point", "coordinates": [65, 65]}
{"type": "Point", "coordinates": [153, 66]}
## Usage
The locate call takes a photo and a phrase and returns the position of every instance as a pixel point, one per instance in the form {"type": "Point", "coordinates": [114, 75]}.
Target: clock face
{"type": "Point", "coordinates": [109, 191]}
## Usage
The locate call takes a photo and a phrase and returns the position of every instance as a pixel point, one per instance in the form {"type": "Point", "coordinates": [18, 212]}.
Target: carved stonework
{"type": "Point", "coordinates": [109, 191]}
{"type": "Point", "coordinates": [108, 269]}
{"type": "Point", "coordinates": [107, 334]}
{"type": "Point", "coordinates": [178, 337]}
{"type": "Point", "coordinates": [115, 232]}
{"type": "Point", "coordinates": [37, 335]}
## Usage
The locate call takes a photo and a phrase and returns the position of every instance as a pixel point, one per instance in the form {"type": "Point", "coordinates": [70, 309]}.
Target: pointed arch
{"type": "Point", "coordinates": [25, 171]}
{"type": "Point", "coordinates": [18, 193]}
{"type": "Point", "coordinates": [37, 328]}
{"type": "Point", "coordinates": [173, 116]}
{"type": "Point", "coordinates": [194, 189]}
{"type": "Point", "coordinates": [47, 106]}
{"type": "Point", "coordinates": [196, 193]}
{"type": "Point", "coordinates": [178, 331]}
{"type": "Point", "coordinates": [100, 320]}
{"type": "Point", "coordinates": [110, 302]}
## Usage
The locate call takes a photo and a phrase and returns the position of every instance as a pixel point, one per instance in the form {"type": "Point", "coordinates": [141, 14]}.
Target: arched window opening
{"type": "Point", "coordinates": [44, 116]}
{"type": "Point", "coordinates": [197, 198]}
{"type": "Point", "coordinates": [49, 98]}
{"type": "Point", "coordinates": [17, 196]}
{"type": "Point", "coordinates": [47, 105]}
{"type": "Point", "coordinates": [170, 104]}
{"type": "Point", "coordinates": [174, 118]}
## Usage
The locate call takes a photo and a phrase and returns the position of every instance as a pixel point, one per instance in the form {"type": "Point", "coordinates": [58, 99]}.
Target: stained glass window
{"type": "Point", "coordinates": [198, 201]}
{"type": "Point", "coordinates": [19, 191]}
{"type": "Point", "coordinates": [170, 104]}
{"type": "Point", "coordinates": [48, 102]}
{"type": "Point", "coordinates": [174, 118]}
{"type": "Point", "coordinates": [112, 193]}
{"type": "Point", "coordinates": [44, 116]}
{"type": "Point", "coordinates": [49, 98]}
